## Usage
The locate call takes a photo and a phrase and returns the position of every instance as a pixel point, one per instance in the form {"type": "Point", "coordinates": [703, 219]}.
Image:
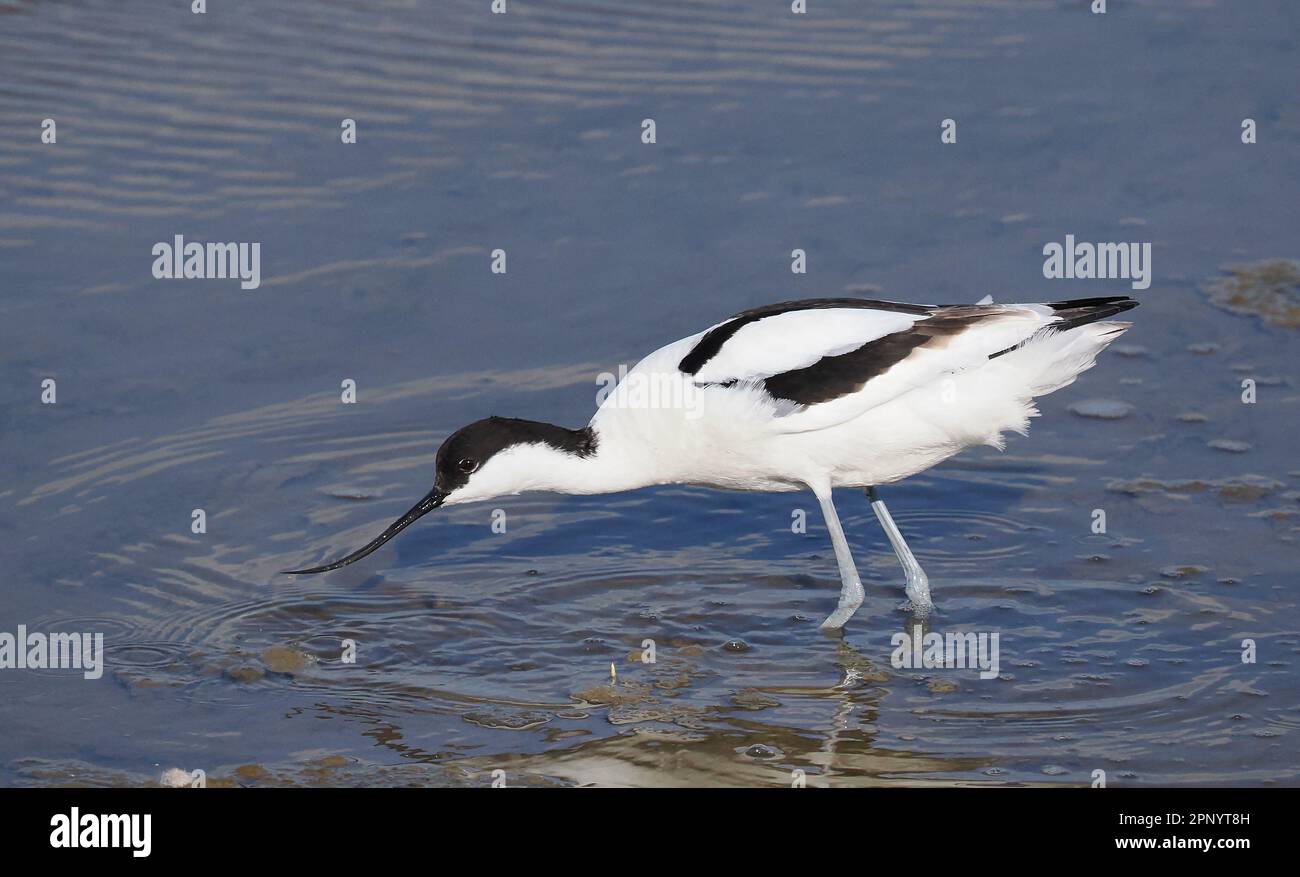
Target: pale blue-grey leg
{"type": "Point", "coordinates": [918, 585]}
{"type": "Point", "coordinates": [851, 593]}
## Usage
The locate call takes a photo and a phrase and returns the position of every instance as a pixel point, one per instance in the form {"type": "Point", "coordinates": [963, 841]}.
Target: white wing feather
{"type": "Point", "coordinates": [797, 339]}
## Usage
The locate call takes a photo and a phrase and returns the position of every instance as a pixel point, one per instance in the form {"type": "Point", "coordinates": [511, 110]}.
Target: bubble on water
{"type": "Point", "coordinates": [1103, 409]}
{"type": "Point", "coordinates": [736, 645]}
{"type": "Point", "coordinates": [1054, 770]}
{"type": "Point", "coordinates": [760, 751]}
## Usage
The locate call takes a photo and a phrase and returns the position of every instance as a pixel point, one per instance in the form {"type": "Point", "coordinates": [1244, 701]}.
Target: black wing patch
{"type": "Point", "coordinates": [712, 342]}
{"type": "Point", "coordinates": [834, 376]}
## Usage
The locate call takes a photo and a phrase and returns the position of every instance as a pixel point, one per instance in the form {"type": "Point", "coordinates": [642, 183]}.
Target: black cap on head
{"type": "Point", "coordinates": [467, 449]}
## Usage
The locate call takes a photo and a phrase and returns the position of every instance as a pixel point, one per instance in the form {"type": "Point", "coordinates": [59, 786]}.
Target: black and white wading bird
{"type": "Point", "coordinates": [816, 394]}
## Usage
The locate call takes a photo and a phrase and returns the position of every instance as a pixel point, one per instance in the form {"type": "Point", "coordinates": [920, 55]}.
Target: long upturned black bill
{"type": "Point", "coordinates": [430, 502]}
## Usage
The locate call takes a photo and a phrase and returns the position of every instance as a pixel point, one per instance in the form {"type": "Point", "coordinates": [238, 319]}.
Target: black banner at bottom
{"type": "Point", "coordinates": [339, 827]}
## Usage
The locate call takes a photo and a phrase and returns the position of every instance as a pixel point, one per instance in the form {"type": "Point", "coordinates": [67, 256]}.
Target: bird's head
{"type": "Point", "coordinates": [496, 456]}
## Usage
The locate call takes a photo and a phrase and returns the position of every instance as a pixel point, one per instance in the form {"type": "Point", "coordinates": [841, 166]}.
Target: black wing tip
{"type": "Point", "coordinates": [1081, 311]}
{"type": "Point", "coordinates": [1122, 302]}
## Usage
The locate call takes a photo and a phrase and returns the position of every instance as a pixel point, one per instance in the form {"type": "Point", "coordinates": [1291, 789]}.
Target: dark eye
{"type": "Point", "coordinates": [467, 465]}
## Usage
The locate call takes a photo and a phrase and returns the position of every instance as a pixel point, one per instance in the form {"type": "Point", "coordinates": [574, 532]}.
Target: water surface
{"type": "Point", "coordinates": [480, 651]}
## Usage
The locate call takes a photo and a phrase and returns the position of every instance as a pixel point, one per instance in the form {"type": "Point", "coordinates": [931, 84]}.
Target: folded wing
{"type": "Point", "coordinates": [826, 361]}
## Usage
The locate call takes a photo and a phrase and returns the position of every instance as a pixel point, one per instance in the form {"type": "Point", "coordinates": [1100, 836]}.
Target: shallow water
{"type": "Point", "coordinates": [480, 651]}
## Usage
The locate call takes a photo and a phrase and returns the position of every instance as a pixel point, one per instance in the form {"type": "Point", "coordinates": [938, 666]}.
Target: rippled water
{"type": "Point", "coordinates": [480, 651]}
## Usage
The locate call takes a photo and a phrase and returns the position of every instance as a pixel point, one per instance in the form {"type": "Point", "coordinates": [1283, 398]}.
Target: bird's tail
{"type": "Point", "coordinates": [1060, 357]}
{"type": "Point", "coordinates": [1054, 356]}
